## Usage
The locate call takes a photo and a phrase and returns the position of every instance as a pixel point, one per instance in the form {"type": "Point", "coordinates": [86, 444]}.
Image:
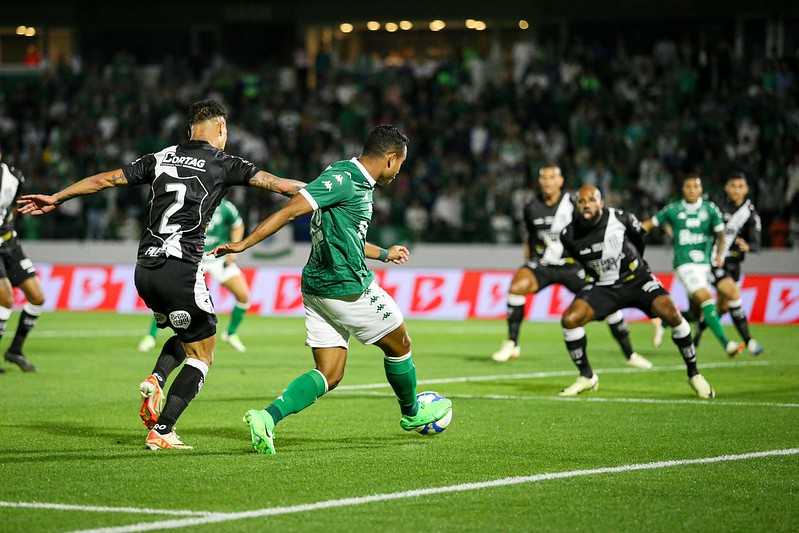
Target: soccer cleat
{"type": "Point", "coordinates": [20, 360]}
{"type": "Point", "coordinates": [234, 341]}
{"type": "Point", "coordinates": [152, 401]}
{"type": "Point", "coordinates": [155, 441]}
{"type": "Point", "coordinates": [508, 350]}
{"type": "Point", "coordinates": [657, 334]}
{"type": "Point", "coordinates": [581, 385]}
{"type": "Point", "coordinates": [428, 413]}
{"type": "Point", "coordinates": [734, 348]}
{"type": "Point", "coordinates": [262, 430]}
{"type": "Point", "coordinates": [147, 343]}
{"type": "Point", "coordinates": [754, 347]}
{"type": "Point", "coordinates": [639, 361]}
{"type": "Point", "coordinates": [701, 386]}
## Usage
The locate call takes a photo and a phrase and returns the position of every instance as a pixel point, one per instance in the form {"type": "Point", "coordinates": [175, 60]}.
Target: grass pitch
{"type": "Point", "coordinates": [516, 457]}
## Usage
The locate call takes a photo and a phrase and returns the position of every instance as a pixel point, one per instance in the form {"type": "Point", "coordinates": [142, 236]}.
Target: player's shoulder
{"type": "Point", "coordinates": [17, 173]}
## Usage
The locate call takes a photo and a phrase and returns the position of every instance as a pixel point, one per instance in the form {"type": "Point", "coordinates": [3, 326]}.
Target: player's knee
{"type": "Point", "coordinates": [36, 298]}
{"type": "Point", "coordinates": [571, 319]}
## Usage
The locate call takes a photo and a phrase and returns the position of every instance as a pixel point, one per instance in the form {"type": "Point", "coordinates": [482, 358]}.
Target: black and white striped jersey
{"type": "Point", "coordinates": [187, 183]}
{"type": "Point", "coordinates": [11, 181]}
{"type": "Point", "coordinates": [612, 251]}
{"type": "Point", "coordinates": [544, 224]}
{"type": "Point", "coordinates": [740, 221]}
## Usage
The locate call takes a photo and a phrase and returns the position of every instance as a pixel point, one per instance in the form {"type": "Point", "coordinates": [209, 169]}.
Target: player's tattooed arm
{"type": "Point", "coordinates": [39, 204]}
{"type": "Point", "coordinates": [270, 182]}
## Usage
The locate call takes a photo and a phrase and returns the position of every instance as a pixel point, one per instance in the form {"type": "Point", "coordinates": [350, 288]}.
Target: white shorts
{"type": "Point", "coordinates": [220, 272]}
{"type": "Point", "coordinates": [369, 317]}
{"type": "Point", "coordinates": [694, 277]}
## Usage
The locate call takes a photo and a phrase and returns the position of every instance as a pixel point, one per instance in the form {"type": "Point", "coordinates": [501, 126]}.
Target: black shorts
{"type": "Point", "coordinates": [570, 275]}
{"type": "Point", "coordinates": [640, 292]}
{"type": "Point", "coordinates": [179, 298]}
{"type": "Point", "coordinates": [14, 264]}
{"type": "Point", "coordinates": [729, 270]}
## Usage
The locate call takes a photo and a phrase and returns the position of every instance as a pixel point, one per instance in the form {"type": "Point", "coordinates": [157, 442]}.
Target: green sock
{"type": "Point", "coordinates": [713, 322]}
{"type": "Point", "coordinates": [401, 375]}
{"type": "Point", "coordinates": [237, 316]}
{"type": "Point", "coordinates": [153, 328]}
{"type": "Point", "coordinates": [300, 393]}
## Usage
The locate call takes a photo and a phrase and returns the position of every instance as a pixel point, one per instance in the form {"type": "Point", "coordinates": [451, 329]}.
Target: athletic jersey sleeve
{"type": "Point", "coordinates": [716, 218]}
{"type": "Point", "coordinates": [635, 231]}
{"type": "Point", "coordinates": [663, 216]}
{"type": "Point", "coordinates": [753, 231]}
{"type": "Point", "coordinates": [140, 171]}
{"type": "Point", "coordinates": [567, 240]}
{"type": "Point", "coordinates": [237, 171]}
{"type": "Point", "coordinates": [232, 216]}
{"type": "Point", "coordinates": [332, 187]}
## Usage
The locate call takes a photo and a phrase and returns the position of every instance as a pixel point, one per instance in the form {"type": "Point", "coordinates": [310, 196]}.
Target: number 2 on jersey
{"type": "Point", "coordinates": [180, 197]}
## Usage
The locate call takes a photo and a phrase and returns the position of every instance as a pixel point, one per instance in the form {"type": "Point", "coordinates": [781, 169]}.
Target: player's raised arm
{"type": "Point", "coordinates": [397, 254]}
{"type": "Point", "coordinates": [296, 207]}
{"type": "Point", "coordinates": [39, 204]}
{"type": "Point", "coordinates": [270, 182]}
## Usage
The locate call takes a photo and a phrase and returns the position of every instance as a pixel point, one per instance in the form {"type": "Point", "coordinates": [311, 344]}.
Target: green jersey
{"type": "Point", "coordinates": [694, 226]}
{"type": "Point", "coordinates": [342, 201]}
{"type": "Point", "coordinates": [225, 218]}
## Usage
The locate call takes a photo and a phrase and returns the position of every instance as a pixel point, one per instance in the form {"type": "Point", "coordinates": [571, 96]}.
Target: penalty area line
{"type": "Point", "coordinates": [362, 500]}
{"type": "Point", "coordinates": [101, 509]}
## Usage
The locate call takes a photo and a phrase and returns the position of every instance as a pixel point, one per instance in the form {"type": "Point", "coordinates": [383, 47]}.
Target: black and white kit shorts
{"type": "Point", "coordinates": [570, 275]}
{"type": "Point", "coordinates": [14, 264]}
{"type": "Point", "coordinates": [729, 270]}
{"type": "Point", "coordinates": [639, 292]}
{"type": "Point", "coordinates": [177, 294]}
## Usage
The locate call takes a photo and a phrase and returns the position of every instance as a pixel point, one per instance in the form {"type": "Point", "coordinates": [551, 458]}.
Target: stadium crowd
{"type": "Point", "coordinates": [481, 125]}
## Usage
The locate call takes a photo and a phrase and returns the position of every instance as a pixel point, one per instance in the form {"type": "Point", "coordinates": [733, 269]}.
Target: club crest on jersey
{"type": "Point", "coordinates": [180, 319]}
{"type": "Point", "coordinates": [159, 318]}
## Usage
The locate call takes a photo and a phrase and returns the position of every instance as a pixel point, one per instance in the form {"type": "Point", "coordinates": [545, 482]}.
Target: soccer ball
{"type": "Point", "coordinates": [433, 428]}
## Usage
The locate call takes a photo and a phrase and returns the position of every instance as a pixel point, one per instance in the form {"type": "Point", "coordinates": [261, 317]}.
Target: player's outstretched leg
{"type": "Point", "coordinates": [621, 332]}
{"type": "Point", "coordinates": [230, 336]}
{"type": "Point", "coordinates": [510, 348]}
{"type": "Point", "coordinates": [151, 389]}
{"type": "Point", "coordinates": [681, 335]}
{"type": "Point", "coordinates": [184, 388]}
{"type": "Point", "coordinates": [301, 393]}
{"type": "Point", "coordinates": [657, 332]}
{"type": "Point", "coordinates": [742, 325]}
{"type": "Point", "coordinates": [711, 317]}
{"type": "Point", "coordinates": [27, 320]}
{"type": "Point", "coordinates": [576, 344]}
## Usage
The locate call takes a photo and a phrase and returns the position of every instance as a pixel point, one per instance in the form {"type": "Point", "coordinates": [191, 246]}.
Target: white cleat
{"type": "Point", "coordinates": [581, 385]}
{"type": "Point", "coordinates": [734, 348]}
{"type": "Point", "coordinates": [639, 361]}
{"type": "Point", "coordinates": [754, 347]}
{"type": "Point", "coordinates": [508, 350]}
{"type": "Point", "coordinates": [657, 334]}
{"type": "Point", "coordinates": [155, 441]}
{"type": "Point", "coordinates": [701, 386]}
{"type": "Point", "coordinates": [147, 343]}
{"type": "Point", "coordinates": [234, 341]}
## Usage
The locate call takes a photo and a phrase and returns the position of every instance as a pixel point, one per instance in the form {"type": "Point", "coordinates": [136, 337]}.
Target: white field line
{"type": "Point", "coordinates": [557, 373]}
{"type": "Point", "coordinates": [211, 518]}
{"type": "Point", "coordinates": [588, 399]}
{"type": "Point", "coordinates": [100, 509]}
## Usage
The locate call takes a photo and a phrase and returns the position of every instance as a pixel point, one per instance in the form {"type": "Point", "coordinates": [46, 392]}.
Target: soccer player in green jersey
{"type": "Point", "coordinates": [340, 295]}
{"type": "Point", "coordinates": [226, 224]}
{"type": "Point", "coordinates": [695, 223]}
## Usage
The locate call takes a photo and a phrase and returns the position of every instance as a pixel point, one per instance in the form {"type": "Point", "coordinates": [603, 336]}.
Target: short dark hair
{"type": "Point", "coordinates": [383, 140]}
{"type": "Point", "coordinates": [738, 176]}
{"type": "Point", "coordinates": [691, 176]}
{"type": "Point", "coordinates": [205, 110]}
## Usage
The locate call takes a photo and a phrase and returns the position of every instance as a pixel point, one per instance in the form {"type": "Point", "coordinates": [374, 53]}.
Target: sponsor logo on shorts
{"type": "Point", "coordinates": [159, 318]}
{"type": "Point", "coordinates": [180, 319]}
{"type": "Point", "coordinates": [27, 265]}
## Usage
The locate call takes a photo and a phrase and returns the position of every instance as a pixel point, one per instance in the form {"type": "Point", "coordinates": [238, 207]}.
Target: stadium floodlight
{"type": "Point", "coordinates": [373, 25]}
{"type": "Point", "coordinates": [437, 25]}
{"type": "Point", "coordinates": [523, 24]}
{"type": "Point", "coordinates": [405, 25]}
{"type": "Point", "coordinates": [346, 27]}
{"type": "Point", "coordinates": [391, 27]}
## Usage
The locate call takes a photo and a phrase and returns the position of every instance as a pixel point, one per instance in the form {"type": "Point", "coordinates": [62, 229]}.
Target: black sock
{"type": "Point", "coordinates": [515, 317]}
{"type": "Point", "coordinates": [187, 384]}
{"type": "Point", "coordinates": [741, 324]}
{"type": "Point", "coordinates": [688, 315]}
{"type": "Point", "coordinates": [577, 350]}
{"type": "Point", "coordinates": [688, 352]}
{"type": "Point", "coordinates": [172, 356]}
{"type": "Point", "coordinates": [26, 323]}
{"type": "Point", "coordinates": [622, 335]}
